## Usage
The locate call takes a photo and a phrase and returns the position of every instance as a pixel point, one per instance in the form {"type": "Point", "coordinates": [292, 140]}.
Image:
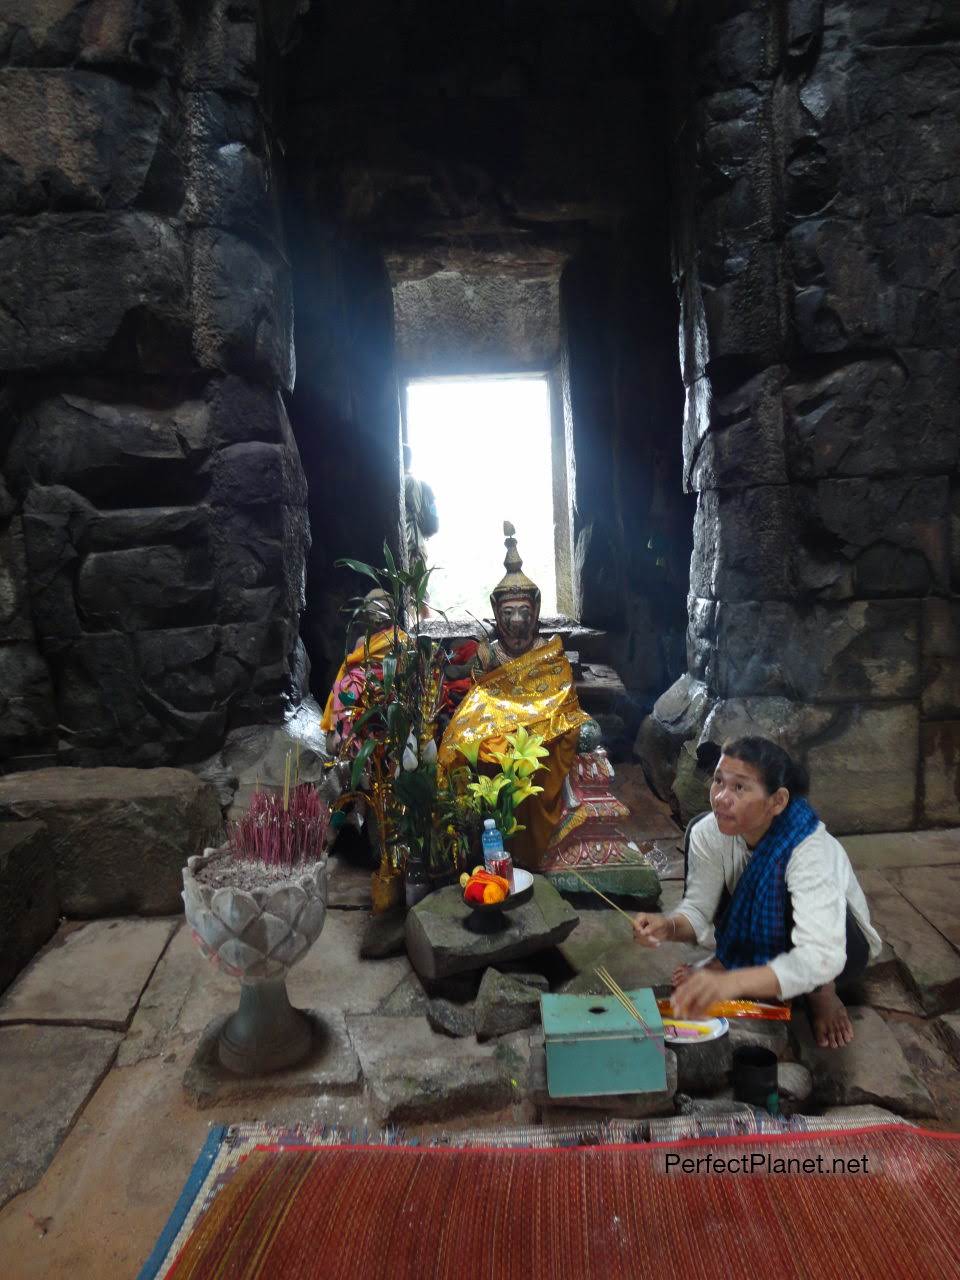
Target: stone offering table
{"type": "Point", "coordinates": [439, 942]}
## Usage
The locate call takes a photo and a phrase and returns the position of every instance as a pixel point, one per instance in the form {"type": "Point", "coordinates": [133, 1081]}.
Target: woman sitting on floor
{"type": "Point", "coordinates": [795, 921]}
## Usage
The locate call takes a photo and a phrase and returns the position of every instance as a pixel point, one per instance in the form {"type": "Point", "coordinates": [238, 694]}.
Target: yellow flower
{"type": "Point", "coordinates": [487, 789]}
{"type": "Point", "coordinates": [528, 751]}
{"type": "Point", "coordinates": [523, 789]}
{"type": "Point", "coordinates": [470, 752]}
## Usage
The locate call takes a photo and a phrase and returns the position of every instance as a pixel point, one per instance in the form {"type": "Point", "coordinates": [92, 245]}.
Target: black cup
{"type": "Point", "coordinates": [755, 1078]}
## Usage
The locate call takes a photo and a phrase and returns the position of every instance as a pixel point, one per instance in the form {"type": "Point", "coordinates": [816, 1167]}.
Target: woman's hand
{"type": "Point", "coordinates": [696, 993]}
{"type": "Point", "coordinates": [650, 928]}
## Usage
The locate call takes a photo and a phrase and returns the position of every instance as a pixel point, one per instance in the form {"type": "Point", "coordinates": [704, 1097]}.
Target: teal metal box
{"type": "Point", "coordinates": [595, 1047]}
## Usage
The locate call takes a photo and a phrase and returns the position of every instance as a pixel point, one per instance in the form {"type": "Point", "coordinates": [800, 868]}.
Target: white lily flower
{"type": "Point", "coordinates": [429, 753]}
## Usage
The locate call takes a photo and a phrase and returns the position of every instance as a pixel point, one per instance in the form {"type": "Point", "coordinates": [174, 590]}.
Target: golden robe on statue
{"type": "Point", "coordinates": [534, 691]}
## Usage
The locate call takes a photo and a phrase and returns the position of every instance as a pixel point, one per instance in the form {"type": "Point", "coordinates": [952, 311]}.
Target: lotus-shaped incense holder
{"type": "Point", "coordinates": [255, 923]}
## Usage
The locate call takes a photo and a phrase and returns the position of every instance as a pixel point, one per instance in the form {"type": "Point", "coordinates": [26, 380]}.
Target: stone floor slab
{"type": "Point", "coordinates": [903, 849]}
{"type": "Point", "coordinates": [598, 929]}
{"type": "Point", "coordinates": [332, 1066]}
{"type": "Point", "coordinates": [930, 963]}
{"type": "Point", "coordinates": [348, 886]}
{"type": "Point", "coordinates": [873, 1069]}
{"type": "Point", "coordinates": [933, 1064]}
{"type": "Point", "coordinates": [46, 1076]}
{"type": "Point", "coordinates": [90, 974]}
{"type": "Point", "coordinates": [935, 892]}
{"type": "Point", "coordinates": [330, 977]}
{"type": "Point", "coordinates": [440, 943]}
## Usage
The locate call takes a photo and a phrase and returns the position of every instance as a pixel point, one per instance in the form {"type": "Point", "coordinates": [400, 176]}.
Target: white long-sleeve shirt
{"type": "Point", "coordinates": [821, 884]}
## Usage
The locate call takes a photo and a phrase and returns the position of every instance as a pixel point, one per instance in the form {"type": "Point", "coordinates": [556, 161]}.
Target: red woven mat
{"type": "Point", "coordinates": [624, 1212]}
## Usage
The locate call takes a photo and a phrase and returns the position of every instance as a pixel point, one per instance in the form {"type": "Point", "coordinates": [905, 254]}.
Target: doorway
{"type": "Point", "coordinates": [485, 447]}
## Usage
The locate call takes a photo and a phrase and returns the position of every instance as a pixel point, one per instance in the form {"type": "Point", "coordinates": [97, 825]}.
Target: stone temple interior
{"type": "Point", "coordinates": [726, 233]}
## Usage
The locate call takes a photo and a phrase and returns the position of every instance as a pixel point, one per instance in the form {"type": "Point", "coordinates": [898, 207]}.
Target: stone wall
{"type": "Point", "coordinates": [817, 252]}
{"type": "Point", "coordinates": [152, 502]}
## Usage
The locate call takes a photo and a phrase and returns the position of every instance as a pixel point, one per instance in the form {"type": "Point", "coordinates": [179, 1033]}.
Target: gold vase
{"type": "Point", "coordinates": [386, 888]}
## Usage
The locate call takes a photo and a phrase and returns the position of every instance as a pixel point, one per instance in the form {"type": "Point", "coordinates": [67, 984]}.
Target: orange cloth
{"type": "Point", "coordinates": [534, 691]}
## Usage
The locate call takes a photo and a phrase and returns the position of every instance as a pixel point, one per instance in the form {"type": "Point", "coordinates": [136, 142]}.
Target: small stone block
{"type": "Point", "coordinates": [872, 1069]}
{"type": "Point", "coordinates": [29, 902]}
{"type": "Point", "coordinates": [415, 1073]}
{"type": "Point", "coordinates": [332, 1066]}
{"type": "Point", "coordinates": [450, 1019]}
{"type": "Point", "coordinates": [504, 1005]}
{"type": "Point", "coordinates": [440, 941]}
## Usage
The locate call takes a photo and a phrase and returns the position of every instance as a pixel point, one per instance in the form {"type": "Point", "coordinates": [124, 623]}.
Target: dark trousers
{"type": "Point", "coordinates": [858, 949]}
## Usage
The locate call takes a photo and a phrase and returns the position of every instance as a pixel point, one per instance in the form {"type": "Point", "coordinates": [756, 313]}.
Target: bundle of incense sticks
{"type": "Point", "coordinates": [737, 1009]}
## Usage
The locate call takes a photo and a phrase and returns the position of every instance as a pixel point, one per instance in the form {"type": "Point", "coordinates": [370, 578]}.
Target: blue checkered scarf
{"type": "Point", "coordinates": [754, 926]}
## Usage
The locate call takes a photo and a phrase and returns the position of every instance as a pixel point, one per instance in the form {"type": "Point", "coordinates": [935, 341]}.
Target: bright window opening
{"type": "Point", "coordinates": [483, 446]}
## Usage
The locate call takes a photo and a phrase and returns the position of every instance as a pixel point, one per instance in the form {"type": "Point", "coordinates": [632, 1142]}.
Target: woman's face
{"type": "Point", "coordinates": [740, 801]}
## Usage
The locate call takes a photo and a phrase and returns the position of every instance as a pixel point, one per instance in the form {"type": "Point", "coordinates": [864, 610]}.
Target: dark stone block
{"type": "Point", "coordinates": [941, 658]}
{"type": "Point", "coordinates": [888, 121]}
{"type": "Point", "coordinates": [118, 837]}
{"type": "Point", "coordinates": [109, 713]}
{"type": "Point", "coordinates": [871, 537]}
{"type": "Point", "coordinates": [735, 43]}
{"type": "Point", "coordinates": [735, 166]}
{"type": "Point", "coordinates": [244, 308]}
{"type": "Point", "coordinates": [255, 473]}
{"type": "Point", "coordinates": [87, 288]}
{"type": "Point", "coordinates": [29, 903]}
{"type": "Point", "coordinates": [940, 772]}
{"type": "Point", "coordinates": [27, 715]}
{"type": "Point", "coordinates": [886, 415]}
{"type": "Point", "coordinates": [242, 410]}
{"type": "Point", "coordinates": [108, 33]}
{"type": "Point", "coordinates": [231, 181]}
{"type": "Point", "coordinates": [740, 300]}
{"type": "Point", "coordinates": [146, 587]}
{"type": "Point", "coordinates": [259, 554]}
{"type": "Point", "coordinates": [54, 522]}
{"type": "Point", "coordinates": [147, 526]}
{"type": "Point", "coordinates": [76, 140]}
{"type": "Point", "coordinates": [744, 445]}
{"type": "Point", "coordinates": [896, 21]}
{"type": "Point", "coordinates": [120, 454]}
{"type": "Point", "coordinates": [836, 653]}
{"type": "Point", "coordinates": [872, 284]}
{"type": "Point", "coordinates": [742, 544]}
{"type": "Point", "coordinates": [15, 619]}
{"type": "Point", "coordinates": [225, 52]}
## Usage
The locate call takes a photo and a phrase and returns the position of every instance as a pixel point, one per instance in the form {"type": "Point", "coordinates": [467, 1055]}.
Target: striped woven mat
{"type": "Point", "coordinates": [875, 1202]}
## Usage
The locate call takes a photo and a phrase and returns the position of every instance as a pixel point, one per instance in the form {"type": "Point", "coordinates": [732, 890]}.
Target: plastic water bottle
{"type": "Point", "coordinates": [492, 843]}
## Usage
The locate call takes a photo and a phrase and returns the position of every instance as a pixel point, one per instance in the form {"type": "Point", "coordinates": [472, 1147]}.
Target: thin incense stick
{"type": "Point", "coordinates": [608, 981]}
{"type": "Point", "coordinates": [625, 914]}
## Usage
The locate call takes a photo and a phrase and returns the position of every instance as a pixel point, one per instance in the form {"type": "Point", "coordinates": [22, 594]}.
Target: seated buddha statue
{"type": "Point", "coordinates": [522, 678]}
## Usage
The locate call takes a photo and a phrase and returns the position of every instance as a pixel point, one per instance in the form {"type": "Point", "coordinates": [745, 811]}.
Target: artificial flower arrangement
{"type": "Point", "coordinates": [499, 795]}
{"type": "Point", "coordinates": [385, 703]}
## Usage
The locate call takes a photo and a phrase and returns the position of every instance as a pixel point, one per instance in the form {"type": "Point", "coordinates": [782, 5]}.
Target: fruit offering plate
{"type": "Point", "coordinates": [522, 892]}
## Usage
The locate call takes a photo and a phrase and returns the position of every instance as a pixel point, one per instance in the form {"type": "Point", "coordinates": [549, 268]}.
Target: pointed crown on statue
{"type": "Point", "coordinates": [514, 585]}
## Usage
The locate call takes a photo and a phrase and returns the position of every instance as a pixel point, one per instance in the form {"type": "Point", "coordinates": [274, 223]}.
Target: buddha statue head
{"type": "Point", "coordinates": [516, 602]}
